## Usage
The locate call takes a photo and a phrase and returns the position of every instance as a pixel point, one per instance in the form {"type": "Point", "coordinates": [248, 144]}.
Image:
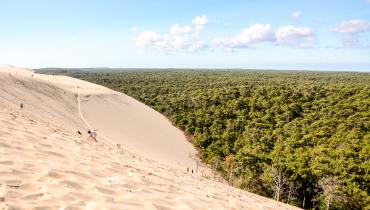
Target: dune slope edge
{"type": "Point", "coordinates": [45, 164]}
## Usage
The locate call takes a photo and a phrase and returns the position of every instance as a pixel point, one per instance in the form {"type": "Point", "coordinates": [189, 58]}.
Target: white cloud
{"type": "Point", "coordinates": [293, 36]}
{"type": "Point", "coordinates": [296, 14]}
{"type": "Point", "coordinates": [353, 27]}
{"type": "Point", "coordinates": [147, 38]}
{"type": "Point", "coordinates": [350, 31]}
{"type": "Point", "coordinates": [177, 29]}
{"type": "Point", "coordinates": [186, 37]}
{"type": "Point", "coordinates": [135, 29]}
{"type": "Point", "coordinates": [179, 38]}
{"type": "Point", "coordinates": [254, 34]}
{"type": "Point", "coordinates": [200, 20]}
{"type": "Point", "coordinates": [198, 46]}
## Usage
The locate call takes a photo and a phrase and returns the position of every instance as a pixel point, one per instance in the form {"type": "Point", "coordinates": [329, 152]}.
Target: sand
{"type": "Point", "coordinates": [46, 164]}
{"type": "Point", "coordinates": [143, 131]}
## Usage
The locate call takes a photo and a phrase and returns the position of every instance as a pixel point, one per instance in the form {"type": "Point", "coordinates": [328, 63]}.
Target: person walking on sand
{"type": "Point", "coordinates": [92, 135]}
{"type": "Point", "coordinates": [21, 106]}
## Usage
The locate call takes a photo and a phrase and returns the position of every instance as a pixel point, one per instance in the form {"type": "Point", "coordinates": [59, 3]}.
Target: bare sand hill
{"type": "Point", "coordinates": [46, 164]}
{"type": "Point", "coordinates": [117, 117]}
{"type": "Point", "coordinates": [142, 130]}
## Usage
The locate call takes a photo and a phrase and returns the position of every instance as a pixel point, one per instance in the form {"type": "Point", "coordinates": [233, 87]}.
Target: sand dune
{"type": "Point", "coordinates": [142, 130]}
{"type": "Point", "coordinates": [45, 164]}
{"type": "Point", "coordinates": [121, 119]}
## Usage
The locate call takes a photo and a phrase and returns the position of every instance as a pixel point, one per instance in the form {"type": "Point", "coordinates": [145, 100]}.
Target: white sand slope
{"type": "Point", "coordinates": [142, 130]}
{"type": "Point", "coordinates": [123, 120]}
{"type": "Point", "coordinates": [45, 164]}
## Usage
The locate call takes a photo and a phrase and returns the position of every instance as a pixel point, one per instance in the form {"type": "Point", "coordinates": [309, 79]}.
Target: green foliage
{"type": "Point", "coordinates": [286, 135]}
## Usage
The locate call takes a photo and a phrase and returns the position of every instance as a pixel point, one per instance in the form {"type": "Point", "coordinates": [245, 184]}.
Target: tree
{"type": "Point", "coordinates": [279, 179]}
{"type": "Point", "coordinates": [332, 193]}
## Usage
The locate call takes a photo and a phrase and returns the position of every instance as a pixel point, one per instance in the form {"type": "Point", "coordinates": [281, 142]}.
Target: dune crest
{"type": "Point", "coordinates": [46, 164]}
{"type": "Point", "coordinates": [12, 70]}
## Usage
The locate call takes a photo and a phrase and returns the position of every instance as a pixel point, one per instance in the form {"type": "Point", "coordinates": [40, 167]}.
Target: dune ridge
{"type": "Point", "coordinates": [45, 164]}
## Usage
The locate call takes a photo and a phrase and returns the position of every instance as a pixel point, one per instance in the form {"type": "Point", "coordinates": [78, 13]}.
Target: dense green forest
{"type": "Point", "coordinates": [299, 137]}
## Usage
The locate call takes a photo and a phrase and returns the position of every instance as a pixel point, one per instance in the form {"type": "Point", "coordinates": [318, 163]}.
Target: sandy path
{"type": "Point", "coordinates": [80, 111]}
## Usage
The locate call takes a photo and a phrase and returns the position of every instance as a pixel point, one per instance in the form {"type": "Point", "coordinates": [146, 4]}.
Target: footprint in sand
{"type": "Point", "coordinates": [13, 183]}
{"type": "Point", "coordinates": [72, 184]}
{"type": "Point", "coordinates": [105, 190]}
{"type": "Point", "coordinates": [33, 197]}
{"type": "Point", "coordinates": [6, 162]}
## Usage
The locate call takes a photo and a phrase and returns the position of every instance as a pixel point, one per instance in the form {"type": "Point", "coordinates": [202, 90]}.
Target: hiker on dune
{"type": "Point", "coordinates": [92, 135]}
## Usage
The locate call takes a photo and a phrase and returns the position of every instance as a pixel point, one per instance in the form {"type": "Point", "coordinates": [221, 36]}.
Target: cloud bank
{"type": "Point", "coordinates": [254, 34]}
{"type": "Point", "coordinates": [183, 38]}
{"type": "Point", "coordinates": [293, 36]}
{"type": "Point", "coordinates": [351, 30]}
{"type": "Point", "coordinates": [188, 37]}
{"type": "Point", "coordinates": [290, 36]}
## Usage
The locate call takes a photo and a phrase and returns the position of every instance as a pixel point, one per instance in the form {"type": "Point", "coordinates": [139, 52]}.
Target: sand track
{"type": "Point", "coordinates": [80, 111]}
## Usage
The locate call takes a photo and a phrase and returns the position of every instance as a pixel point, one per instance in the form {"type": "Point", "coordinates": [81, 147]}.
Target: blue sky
{"type": "Point", "coordinates": [264, 34]}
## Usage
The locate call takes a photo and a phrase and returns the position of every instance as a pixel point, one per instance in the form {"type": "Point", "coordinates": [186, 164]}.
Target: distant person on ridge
{"type": "Point", "coordinates": [92, 135]}
{"type": "Point", "coordinates": [21, 106]}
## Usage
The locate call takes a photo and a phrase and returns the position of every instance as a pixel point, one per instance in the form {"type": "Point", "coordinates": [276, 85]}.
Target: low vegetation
{"type": "Point", "coordinates": [299, 137]}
